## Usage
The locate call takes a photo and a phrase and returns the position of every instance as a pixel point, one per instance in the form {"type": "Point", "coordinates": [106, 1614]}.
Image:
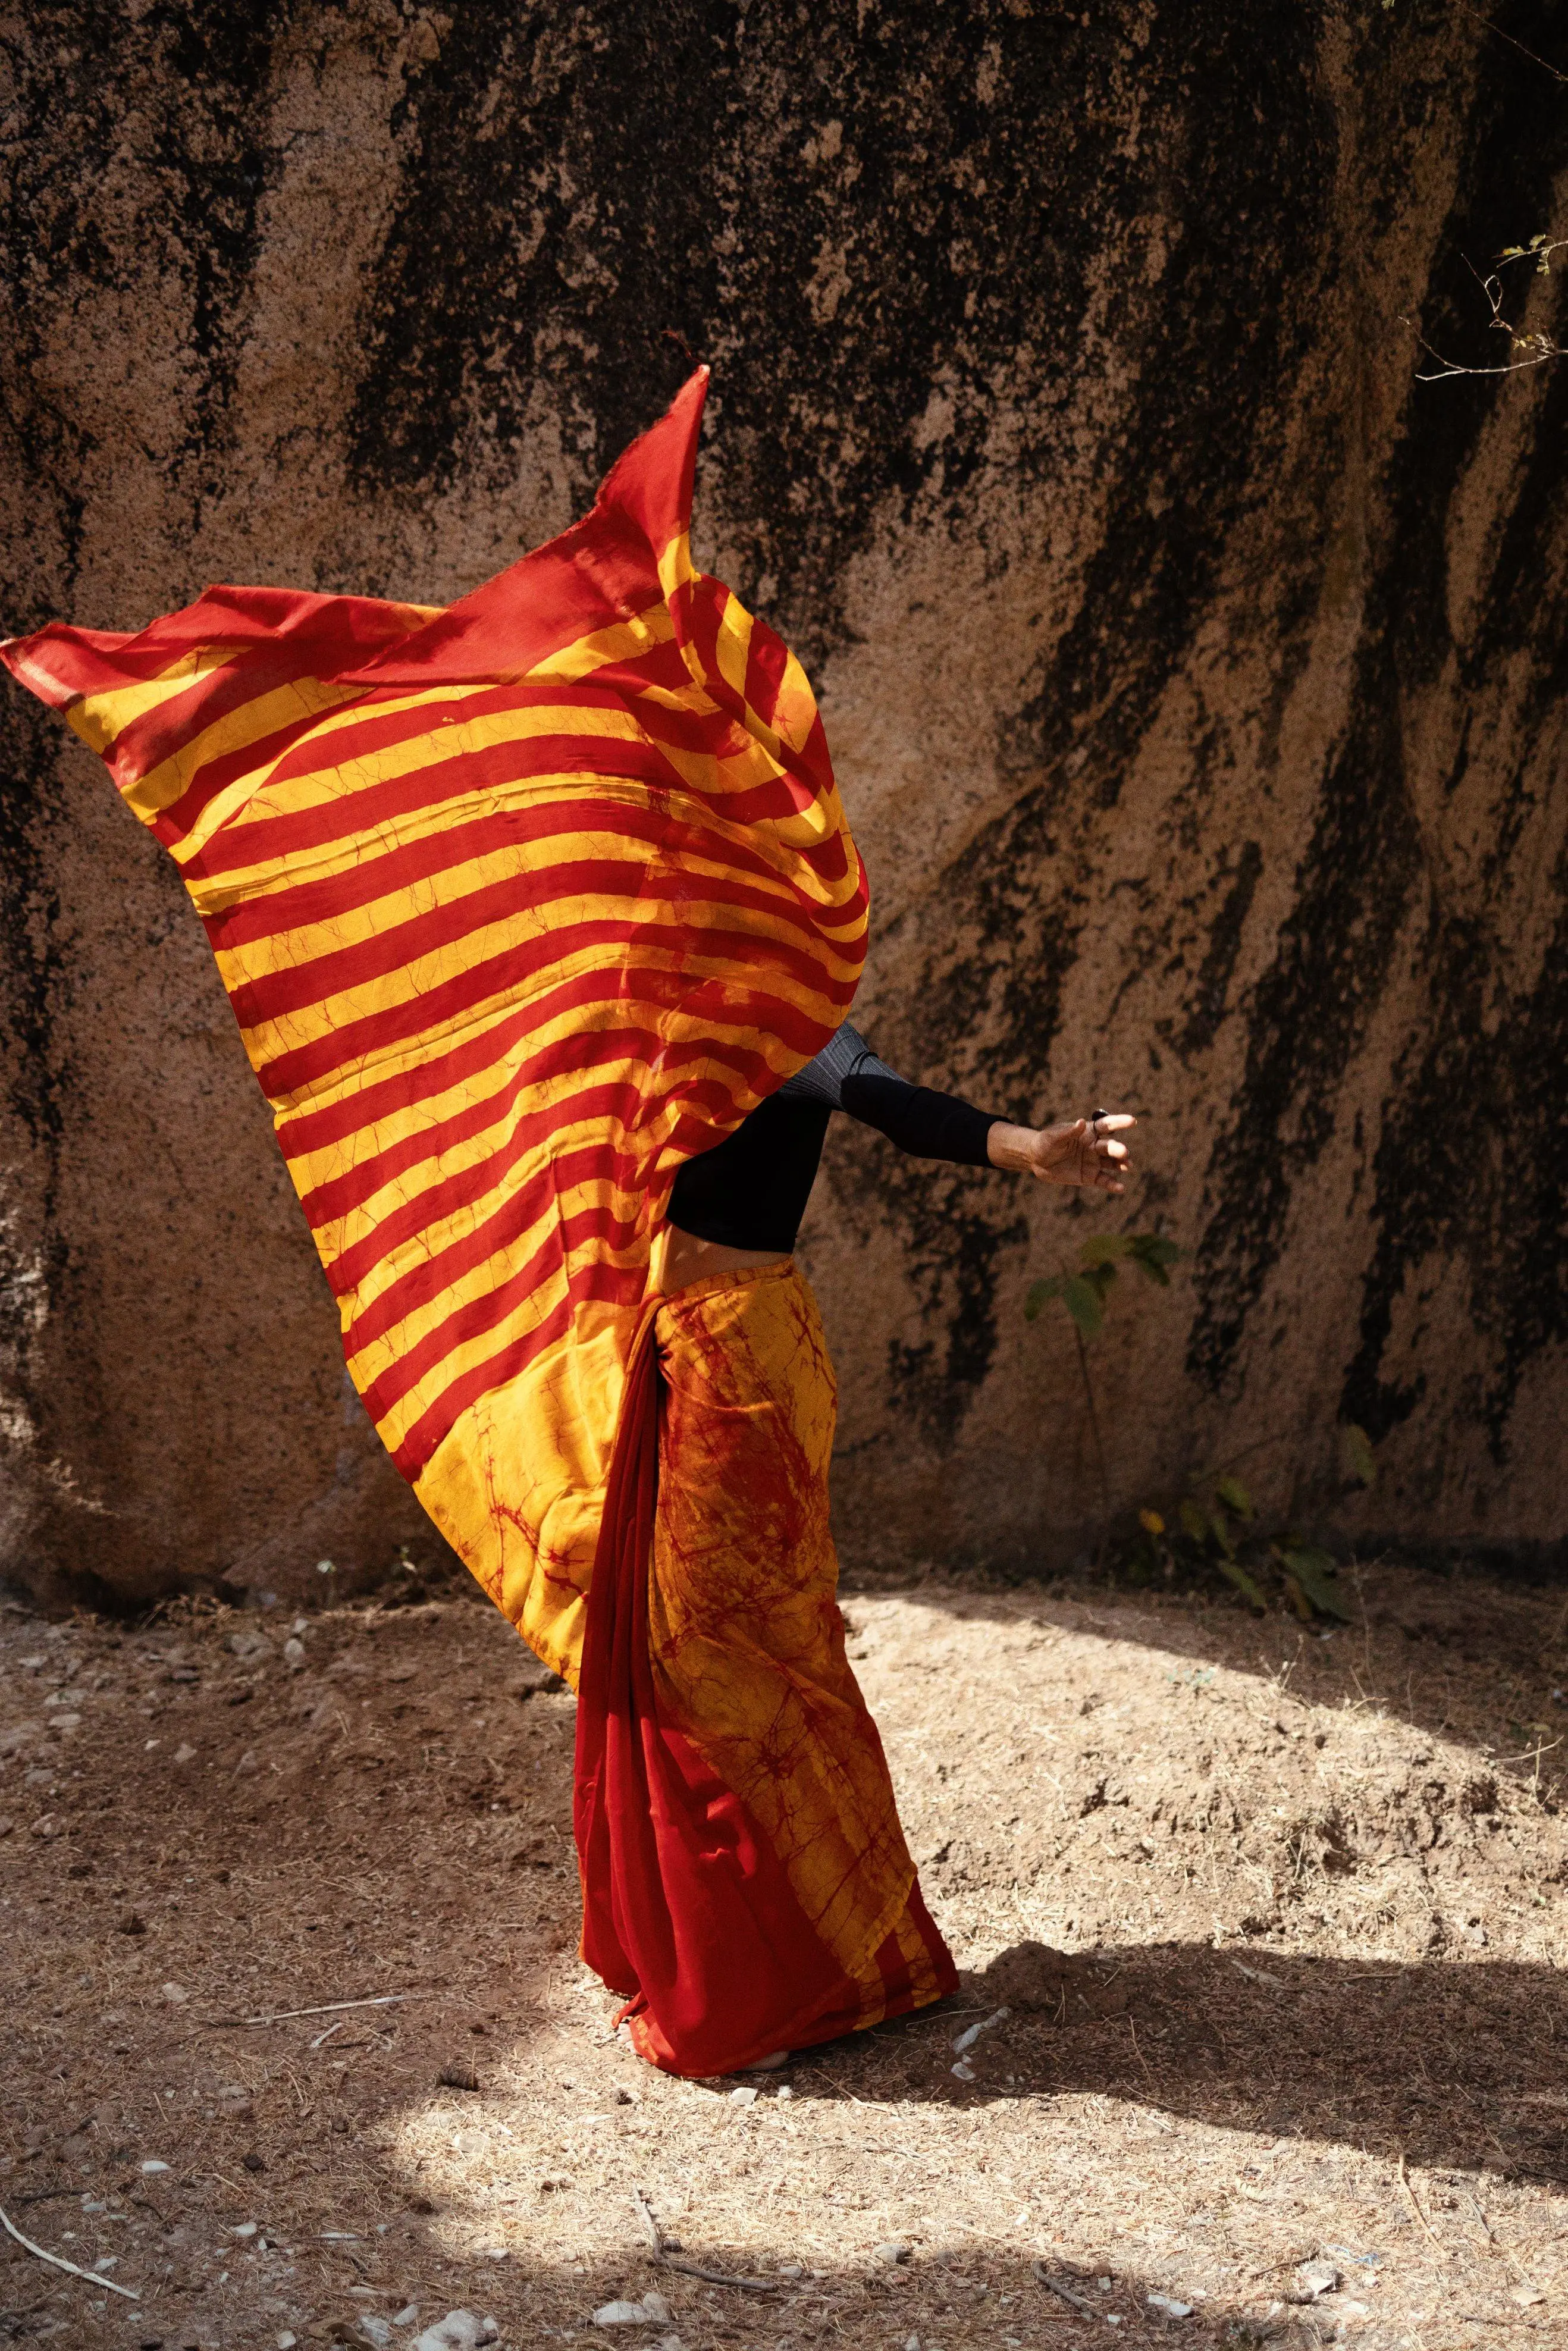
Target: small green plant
{"type": "Point", "coordinates": [1084, 1292]}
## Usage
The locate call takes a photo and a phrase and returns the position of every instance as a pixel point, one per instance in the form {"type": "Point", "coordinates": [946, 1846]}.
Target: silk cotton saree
{"type": "Point", "coordinates": [519, 903]}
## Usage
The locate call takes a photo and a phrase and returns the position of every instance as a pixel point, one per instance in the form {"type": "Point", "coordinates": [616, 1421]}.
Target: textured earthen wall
{"type": "Point", "coordinates": [1193, 674]}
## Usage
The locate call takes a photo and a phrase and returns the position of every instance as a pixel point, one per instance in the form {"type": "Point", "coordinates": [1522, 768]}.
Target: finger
{"type": "Point", "coordinates": [1111, 1150]}
{"type": "Point", "coordinates": [1112, 1121]}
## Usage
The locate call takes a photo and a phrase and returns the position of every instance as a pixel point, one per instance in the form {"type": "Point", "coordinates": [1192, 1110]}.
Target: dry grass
{"type": "Point", "coordinates": [1315, 2007]}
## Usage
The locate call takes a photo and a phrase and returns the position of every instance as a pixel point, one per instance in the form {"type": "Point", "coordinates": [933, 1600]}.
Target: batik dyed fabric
{"type": "Point", "coordinates": [745, 1882]}
{"type": "Point", "coordinates": [518, 904]}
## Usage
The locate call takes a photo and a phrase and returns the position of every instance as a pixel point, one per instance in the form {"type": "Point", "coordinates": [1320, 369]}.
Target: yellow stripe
{"type": "Point", "coordinates": [101, 718]}
{"type": "Point", "coordinates": [623, 640]}
{"type": "Point", "coordinates": [236, 730]}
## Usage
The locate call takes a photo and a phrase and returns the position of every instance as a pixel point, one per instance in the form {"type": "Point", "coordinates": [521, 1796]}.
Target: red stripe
{"type": "Point", "coordinates": [440, 1269]}
{"type": "Point", "coordinates": [480, 1314]}
{"type": "Point", "coordinates": [376, 730]}
{"type": "Point", "coordinates": [517, 964]}
{"type": "Point", "coordinates": [529, 890]}
{"type": "Point", "coordinates": [305, 1132]}
{"type": "Point", "coordinates": [766, 663]}
{"type": "Point", "coordinates": [610, 1284]}
{"type": "Point", "coordinates": [324, 899]}
{"type": "Point", "coordinates": [352, 814]}
{"type": "Point", "coordinates": [325, 1203]}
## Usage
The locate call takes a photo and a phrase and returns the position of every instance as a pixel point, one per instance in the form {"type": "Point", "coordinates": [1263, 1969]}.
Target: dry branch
{"type": "Point", "coordinates": [59, 2262]}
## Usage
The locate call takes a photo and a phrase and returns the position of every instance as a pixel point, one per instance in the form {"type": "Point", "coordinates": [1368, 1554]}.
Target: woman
{"type": "Point", "coordinates": [746, 1878]}
{"type": "Point", "coordinates": [536, 913]}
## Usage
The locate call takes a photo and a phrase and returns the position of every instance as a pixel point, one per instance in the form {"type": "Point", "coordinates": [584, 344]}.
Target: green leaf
{"type": "Point", "coordinates": [1234, 1496]}
{"type": "Point", "coordinates": [1039, 1292]}
{"type": "Point", "coordinates": [1102, 1249]}
{"type": "Point", "coordinates": [1358, 1457]}
{"type": "Point", "coordinates": [1082, 1300]}
{"type": "Point", "coordinates": [1194, 1521]}
{"type": "Point", "coordinates": [1152, 1253]}
{"type": "Point", "coordinates": [1313, 1571]}
{"type": "Point", "coordinates": [1251, 1592]}
{"type": "Point", "coordinates": [1102, 1276]}
{"type": "Point", "coordinates": [1222, 1533]}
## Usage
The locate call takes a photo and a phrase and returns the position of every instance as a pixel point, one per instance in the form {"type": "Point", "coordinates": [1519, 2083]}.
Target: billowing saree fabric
{"type": "Point", "coordinates": [519, 904]}
{"type": "Point", "coordinates": [746, 1880]}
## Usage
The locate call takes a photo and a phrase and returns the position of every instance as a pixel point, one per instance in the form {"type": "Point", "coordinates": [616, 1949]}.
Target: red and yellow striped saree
{"type": "Point", "coordinates": [518, 904]}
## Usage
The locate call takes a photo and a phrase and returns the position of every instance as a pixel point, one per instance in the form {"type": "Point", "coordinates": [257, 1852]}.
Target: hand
{"type": "Point", "coordinates": [1082, 1152]}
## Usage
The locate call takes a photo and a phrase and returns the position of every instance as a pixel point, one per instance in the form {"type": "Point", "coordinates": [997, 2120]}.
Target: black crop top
{"type": "Point", "coordinates": [750, 1191]}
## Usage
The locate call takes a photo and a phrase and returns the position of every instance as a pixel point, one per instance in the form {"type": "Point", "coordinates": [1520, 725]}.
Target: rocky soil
{"type": "Point", "coordinates": [1263, 1931]}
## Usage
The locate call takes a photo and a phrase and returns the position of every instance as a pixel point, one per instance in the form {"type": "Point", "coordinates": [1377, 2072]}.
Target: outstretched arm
{"type": "Point", "coordinates": [1085, 1151]}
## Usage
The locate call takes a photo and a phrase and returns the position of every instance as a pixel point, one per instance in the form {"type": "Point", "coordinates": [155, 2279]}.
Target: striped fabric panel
{"type": "Point", "coordinates": [518, 904]}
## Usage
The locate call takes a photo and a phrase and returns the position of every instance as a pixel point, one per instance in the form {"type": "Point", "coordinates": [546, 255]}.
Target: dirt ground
{"type": "Point", "coordinates": [1304, 1906]}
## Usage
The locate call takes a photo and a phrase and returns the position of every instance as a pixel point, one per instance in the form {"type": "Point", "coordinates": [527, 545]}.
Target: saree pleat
{"type": "Point", "coordinates": [745, 1881]}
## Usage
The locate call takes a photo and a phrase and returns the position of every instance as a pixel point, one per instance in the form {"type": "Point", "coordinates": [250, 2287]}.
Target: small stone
{"type": "Point", "coordinates": [250, 1646]}
{"type": "Point", "coordinates": [652, 2311]}
{"type": "Point", "coordinates": [176, 1994]}
{"type": "Point", "coordinates": [743, 2097]}
{"type": "Point", "coordinates": [7, 1824]}
{"type": "Point", "coordinates": [1526, 2296]}
{"type": "Point", "coordinates": [286, 2341]}
{"type": "Point", "coordinates": [374, 2330]}
{"type": "Point", "coordinates": [46, 1825]}
{"type": "Point", "coordinates": [406, 2315]}
{"type": "Point", "coordinates": [784, 2091]}
{"type": "Point", "coordinates": [458, 2331]}
{"type": "Point", "coordinates": [184, 1752]}
{"type": "Point", "coordinates": [294, 1652]}
{"type": "Point", "coordinates": [66, 1722]}
{"type": "Point", "coordinates": [1316, 2278]}
{"type": "Point", "coordinates": [152, 2164]}
{"type": "Point", "coordinates": [245, 2229]}
{"type": "Point", "coordinates": [247, 1762]}
{"type": "Point", "coordinates": [791, 2269]}
{"type": "Point", "coordinates": [253, 2161]}
{"type": "Point", "coordinates": [890, 2253]}
{"type": "Point", "coordinates": [1171, 2307]}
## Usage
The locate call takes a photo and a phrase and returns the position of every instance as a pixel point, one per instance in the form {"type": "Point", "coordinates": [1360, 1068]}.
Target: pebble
{"type": "Point", "coordinates": [746, 2097]}
{"type": "Point", "coordinates": [1315, 2277]}
{"type": "Point", "coordinates": [184, 1752]}
{"type": "Point", "coordinates": [652, 2311]}
{"type": "Point", "coordinates": [375, 2330]}
{"type": "Point", "coordinates": [247, 1762]}
{"type": "Point", "coordinates": [45, 1826]}
{"type": "Point", "coordinates": [250, 1645]}
{"type": "Point", "coordinates": [294, 1652]}
{"type": "Point", "coordinates": [406, 2315]}
{"type": "Point", "coordinates": [458, 2331]}
{"type": "Point", "coordinates": [7, 1824]}
{"type": "Point", "coordinates": [286, 2341]}
{"type": "Point", "coordinates": [176, 1994]}
{"type": "Point", "coordinates": [73, 1722]}
{"type": "Point", "coordinates": [1168, 2304]}
{"type": "Point", "coordinates": [892, 2254]}
{"type": "Point", "coordinates": [245, 2229]}
{"type": "Point", "coordinates": [152, 2164]}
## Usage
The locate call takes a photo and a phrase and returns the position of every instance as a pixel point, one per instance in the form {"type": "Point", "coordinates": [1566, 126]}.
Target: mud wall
{"type": "Point", "coordinates": [1193, 672]}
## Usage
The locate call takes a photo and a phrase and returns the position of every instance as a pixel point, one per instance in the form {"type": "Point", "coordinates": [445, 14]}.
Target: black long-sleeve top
{"type": "Point", "coordinates": [750, 1191]}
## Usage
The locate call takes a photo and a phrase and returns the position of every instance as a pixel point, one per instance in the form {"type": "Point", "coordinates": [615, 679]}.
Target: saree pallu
{"type": "Point", "coordinates": [745, 1882]}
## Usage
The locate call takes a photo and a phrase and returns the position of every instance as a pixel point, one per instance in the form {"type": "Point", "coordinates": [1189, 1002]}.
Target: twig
{"type": "Point", "coordinates": [323, 2037]}
{"type": "Point", "coordinates": [717, 2277]}
{"type": "Point", "coordinates": [328, 2008]}
{"type": "Point", "coordinates": [668, 2261]}
{"type": "Point", "coordinates": [1416, 2207]}
{"type": "Point", "coordinates": [59, 2262]}
{"type": "Point", "coordinates": [838, 2086]}
{"type": "Point", "coordinates": [655, 2235]}
{"type": "Point", "coordinates": [1511, 42]}
{"type": "Point", "coordinates": [1065, 2293]}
